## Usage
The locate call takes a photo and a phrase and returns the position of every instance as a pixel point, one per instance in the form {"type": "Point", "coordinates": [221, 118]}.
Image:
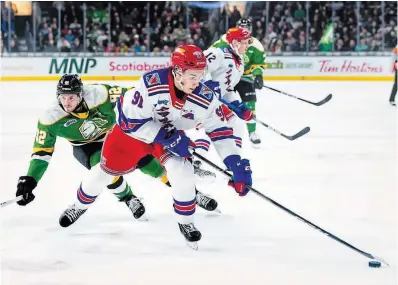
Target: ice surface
{"type": "Point", "coordinates": [342, 176]}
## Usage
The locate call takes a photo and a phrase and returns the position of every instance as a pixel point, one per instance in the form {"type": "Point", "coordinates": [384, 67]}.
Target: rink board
{"type": "Point", "coordinates": [348, 68]}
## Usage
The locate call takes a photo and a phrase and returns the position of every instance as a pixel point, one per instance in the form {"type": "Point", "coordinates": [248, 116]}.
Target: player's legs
{"type": "Point", "coordinates": [394, 89]}
{"type": "Point", "coordinates": [181, 177]}
{"type": "Point", "coordinates": [248, 95]}
{"type": "Point", "coordinates": [236, 124]}
{"type": "Point", "coordinates": [120, 155]}
{"type": "Point", "coordinates": [202, 146]}
{"type": "Point", "coordinates": [89, 155]}
{"type": "Point", "coordinates": [151, 166]}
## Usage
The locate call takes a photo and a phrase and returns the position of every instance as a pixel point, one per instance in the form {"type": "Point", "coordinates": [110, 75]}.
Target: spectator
{"type": "Point", "coordinates": [362, 46]}
{"type": "Point", "coordinates": [63, 45]}
{"type": "Point", "coordinates": [50, 47]}
{"type": "Point", "coordinates": [281, 26]}
{"type": "Point", "coordinates": [77, 47]}
{"type": "Point", "coordinates": [69, 36]}
{"type": "Point", "coordinates": [352, 45]}
{"type": "Point", "coordinates": [235, 16]}
{"type": "Point", "coordinates": [13, 46]}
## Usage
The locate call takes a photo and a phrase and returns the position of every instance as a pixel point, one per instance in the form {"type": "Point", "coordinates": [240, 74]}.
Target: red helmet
{"type": "Point", "coordinates": [188, 57]}
{"type": "Point", "coordinates": [237, 34]}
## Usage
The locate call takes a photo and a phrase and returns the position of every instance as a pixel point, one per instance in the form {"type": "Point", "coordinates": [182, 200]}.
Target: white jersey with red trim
{"type": "Point", "coordinates": [225, 67]}
{"type": "Point", "coordinates": [153, 104]}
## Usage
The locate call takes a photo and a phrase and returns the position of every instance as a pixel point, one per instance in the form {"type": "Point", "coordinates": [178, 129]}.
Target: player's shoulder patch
{"type": "Point", "coordinates": [203, 95]}
{"type": "Point", "coordinates": [156, 77]}
{"type": "Point", "coordinates": [152, 79]}
{"type": "Point", "coordinates": [157, 81]}
{"type": "Point", "coordinates": [52, 115]}
{"type": "Point", "coordinates": [257, 44]}
{"type": "Point", "coordinates": [227, 53]}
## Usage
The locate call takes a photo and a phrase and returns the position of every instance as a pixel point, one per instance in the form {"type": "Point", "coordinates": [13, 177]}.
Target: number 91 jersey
{"type": "Point", "coordinates": [155, 104]}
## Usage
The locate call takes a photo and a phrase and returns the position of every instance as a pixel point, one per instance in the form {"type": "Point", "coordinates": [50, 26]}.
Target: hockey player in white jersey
{"type": "Point", "coordinates": [225, 68]}
{"type": "Point", "coordinates": [151, 120]}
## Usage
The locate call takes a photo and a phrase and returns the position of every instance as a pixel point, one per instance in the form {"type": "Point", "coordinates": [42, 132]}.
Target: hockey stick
{"type": "Point", "coordinates": [325, 100]}
{"type": "Point", "coordinates": [291, 138]}
{"type": "Point", "coordinates": [8, 202]}
{"type": "Point", "coordinates": [261, 195]}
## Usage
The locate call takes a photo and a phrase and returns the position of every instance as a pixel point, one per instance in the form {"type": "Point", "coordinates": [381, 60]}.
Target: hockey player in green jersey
{"type": "Point", "coordinates": [254, 61]}
{"type": "Point", "coordinates": [83, 115]}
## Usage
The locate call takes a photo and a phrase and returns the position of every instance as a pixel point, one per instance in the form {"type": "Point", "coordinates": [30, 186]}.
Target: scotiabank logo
{"type": "Point", "coordinates": [135, 66]}
{"type": "Point", "coordinates": [349, 66]}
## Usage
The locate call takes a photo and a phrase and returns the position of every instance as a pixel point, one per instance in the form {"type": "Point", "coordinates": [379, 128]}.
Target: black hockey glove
{"type": "Point", "coordinates": [25, 186]}
{"type": "Point", "coordinates": [258, 82]}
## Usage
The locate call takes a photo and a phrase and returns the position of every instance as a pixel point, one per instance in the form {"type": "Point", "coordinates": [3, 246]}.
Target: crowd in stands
{"type": "Point", "coordinates": [140, 27]}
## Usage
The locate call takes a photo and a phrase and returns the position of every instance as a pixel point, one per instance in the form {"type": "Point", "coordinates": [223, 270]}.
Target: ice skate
{"type": "Point", "coordinates": [205, 175]}
{"type": "Point", "coordinates": [191, 234]}
{"type": "Point", "coordinates": [255, 139]}
{"type": "Point", "coordinates": [70, 215]}
{"type": "Point", "coordinates": [206, 202]}
{"type": "Point", "coordinates": [136, 207]}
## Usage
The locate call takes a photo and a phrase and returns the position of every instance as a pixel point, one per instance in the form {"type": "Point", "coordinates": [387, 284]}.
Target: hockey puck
{"type": "Point", "coordinates": [374, 264]}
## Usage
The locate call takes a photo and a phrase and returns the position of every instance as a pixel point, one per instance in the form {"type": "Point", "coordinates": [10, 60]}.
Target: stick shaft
{"type": "Point", "coordinates": [323, 101]}
{"type": "Point", "coordinates": [261, 195]}
{"type": "Point", "coordinates": [8, 202]}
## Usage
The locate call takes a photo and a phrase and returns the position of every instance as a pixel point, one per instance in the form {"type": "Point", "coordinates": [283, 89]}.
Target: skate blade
{"type": "Point", "coordinates": [213, 214]}
{"type": "Point", "coordinates": [143, 218]}
{"type": "Point", "coordinates": [192, 244]}
{"type": "Point", "coordinates": [216, 210]}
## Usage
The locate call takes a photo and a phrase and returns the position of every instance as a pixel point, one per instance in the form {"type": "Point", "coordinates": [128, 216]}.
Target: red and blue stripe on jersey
{"type": "Point", "coordinates": [126, 124]}
{"type": "Point", "coordinates": [221, 134]}
{"type": "Point", "coordinates": [202, 144]}
{"type": "Point", "coordinates": [185, 208]}
{"type": "Point", "coordinates": [84, 198]}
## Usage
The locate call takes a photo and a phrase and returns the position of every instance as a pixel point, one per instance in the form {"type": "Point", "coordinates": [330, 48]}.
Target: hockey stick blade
{"type": "Point", "coordinates": [327, 99]}
{"type": "Point", "coordinates": [291, 138]}
{"type": "Point", "coordinates": [299, 134]}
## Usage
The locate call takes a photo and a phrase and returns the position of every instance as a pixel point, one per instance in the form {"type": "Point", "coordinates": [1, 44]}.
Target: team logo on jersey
{"type": "Point", "coordinates": [90, 129]}
{"type": "Point", "coordinates": [163, 102]}
{"type": "Point", "coordinates": [152, 79]}
{"type": "Point", "coordinates": [70, 122]}
{"type": "Point", "coordinates": [205, 91]}
{"type": "Point", "coordinates": [189, 116]}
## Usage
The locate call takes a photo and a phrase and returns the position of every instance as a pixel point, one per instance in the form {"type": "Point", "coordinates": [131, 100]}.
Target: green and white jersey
{"type": "Point", "coordinates": [77, 128]}
{"type": "Point", "coordinates": [254, 58]}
